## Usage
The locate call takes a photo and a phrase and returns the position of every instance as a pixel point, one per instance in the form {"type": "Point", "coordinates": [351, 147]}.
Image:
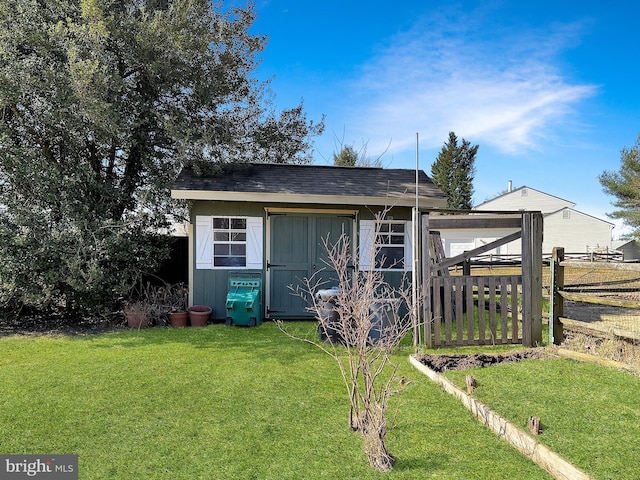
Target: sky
{"type": "Point", "coordinates": [550, 91]}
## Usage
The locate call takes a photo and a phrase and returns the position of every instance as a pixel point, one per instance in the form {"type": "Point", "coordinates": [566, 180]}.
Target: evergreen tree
{"type": "Point", "coordinates": [347, 157]}
{"type": "Point", "coordinates": [454, 170]}
{"type": "Point", "coordinates": [625, 186]}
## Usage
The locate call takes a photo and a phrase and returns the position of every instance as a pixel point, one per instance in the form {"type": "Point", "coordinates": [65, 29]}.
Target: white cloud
{"type": "Point", "coordinates": [501, 88]}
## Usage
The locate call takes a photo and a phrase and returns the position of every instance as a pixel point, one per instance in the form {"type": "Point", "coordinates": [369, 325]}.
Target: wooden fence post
{"type": "Point", "coordinates": [556, 305]}
{"type": "Point", "coordinates": [536, 281]}
{"type": "Point", "coordinates": [531, 278]}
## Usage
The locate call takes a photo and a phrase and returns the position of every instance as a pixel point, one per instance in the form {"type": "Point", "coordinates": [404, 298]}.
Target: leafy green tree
{"type": "Point", "coordinates": [454, 170]}
{"type": "Point", "coordinates": [102, 103]}
{"type": "Point", "coordinates": [625, 186]}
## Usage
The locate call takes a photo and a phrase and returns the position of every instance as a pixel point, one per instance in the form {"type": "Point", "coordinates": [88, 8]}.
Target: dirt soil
{"type": "Point", "coordinates": [440, 363]}
{"type": "Point", "coordinates": [55, 323]}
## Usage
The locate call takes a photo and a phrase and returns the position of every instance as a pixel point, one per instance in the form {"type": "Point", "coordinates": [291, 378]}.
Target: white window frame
{"type": "Point", "coordinates": [206, 242]}
{"type": "Point", "coordinates": [230, 241]}
{"type": "Point", "coordinates": [369, 233]}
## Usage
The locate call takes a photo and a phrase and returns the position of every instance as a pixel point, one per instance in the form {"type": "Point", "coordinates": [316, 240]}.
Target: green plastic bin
{"type": "Point", "coordinates": [243, 299]}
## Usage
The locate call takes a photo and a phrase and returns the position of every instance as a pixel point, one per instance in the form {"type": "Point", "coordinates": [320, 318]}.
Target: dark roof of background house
{"type": "Point", "coordinates": [312, 184]}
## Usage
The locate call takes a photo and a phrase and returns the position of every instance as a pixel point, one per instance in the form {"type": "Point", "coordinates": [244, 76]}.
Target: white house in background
{"type": "Point", "coordinates": [564, 226]}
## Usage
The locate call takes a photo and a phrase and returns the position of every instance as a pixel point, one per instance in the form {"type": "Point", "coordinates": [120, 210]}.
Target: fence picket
{"type": "Point", "coordinates": [471, 324]}
{"type": "Point", "coordinates": [515, 337]}
{"type": "Point", "coordinates": [448, 308]}
{"type": "Point", "coordinates": [492, 310]}
{"type": "Point", "coordinates": [459, 304]}
{"type": "Point", "coordinates": [481, 310]}
{"type": "Point", "coordinates": [503, 310]}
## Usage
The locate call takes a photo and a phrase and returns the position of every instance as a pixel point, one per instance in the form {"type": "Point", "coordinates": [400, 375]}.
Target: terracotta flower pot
{"type": "Point", "coordinates": [199, 315]}
{"type": "Point", "coordinates": [137, 320]}
{"type": "Point", "coordinates": [179, 319]}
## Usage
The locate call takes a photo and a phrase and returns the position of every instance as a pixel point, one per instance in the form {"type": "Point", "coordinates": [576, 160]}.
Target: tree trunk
{"type": "Point", "coordinates": [375, 448]}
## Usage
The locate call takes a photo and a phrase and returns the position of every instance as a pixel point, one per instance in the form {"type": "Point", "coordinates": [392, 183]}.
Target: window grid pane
{"type": "Point", "coordinates": [229, 242]}
{"type": "Point", "coordinates": [390, 246]}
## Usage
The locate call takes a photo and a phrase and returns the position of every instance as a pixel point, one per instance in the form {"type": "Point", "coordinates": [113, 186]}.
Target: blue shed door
{"type": "Point", "coordinates": [297, 252]}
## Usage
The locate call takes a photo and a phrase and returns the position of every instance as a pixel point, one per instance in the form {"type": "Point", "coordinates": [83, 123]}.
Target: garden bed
{"type": "Point", "coordinates": [57, 322]}
{"type": "Point", "coordinates": [441, 363]}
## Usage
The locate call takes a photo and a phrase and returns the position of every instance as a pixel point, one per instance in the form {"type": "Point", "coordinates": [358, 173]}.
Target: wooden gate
{"type": "Point", "coordinates": [488, 309]}
{"type": "Point", "coordinates": [480, 310]}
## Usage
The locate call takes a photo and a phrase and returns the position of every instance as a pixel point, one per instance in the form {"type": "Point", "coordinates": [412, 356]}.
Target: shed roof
{"type": "Point", "coordinates": [319, 184]}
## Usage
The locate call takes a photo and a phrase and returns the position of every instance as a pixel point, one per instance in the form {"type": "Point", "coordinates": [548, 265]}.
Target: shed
{"type": "Point", "coordinates": [272, 219]}
{"type": "Point", "coordinates": [630, 249]}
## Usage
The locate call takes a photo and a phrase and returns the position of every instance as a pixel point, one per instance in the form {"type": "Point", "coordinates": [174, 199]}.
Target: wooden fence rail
{"type": "Point", "coordinates": [561, 292]}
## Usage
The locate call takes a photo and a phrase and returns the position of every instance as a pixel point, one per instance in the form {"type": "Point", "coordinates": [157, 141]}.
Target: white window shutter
{"type": "Point", "coordinates": [204, 242]}
{"type": "Point", "coordinates": [408, 247]}
{"type": "Point", "coordinates": [366, 244]}
{"type": "Point", "coordinates": [254, 243]}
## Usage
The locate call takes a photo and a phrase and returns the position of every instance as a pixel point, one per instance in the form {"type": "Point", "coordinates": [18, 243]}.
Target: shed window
{"type": "Point", "coordinates": [389, 245]}
{"type": "Point", "coordinates": [385, 245]}
{"type": "Point", "coordinates": [228, 242]}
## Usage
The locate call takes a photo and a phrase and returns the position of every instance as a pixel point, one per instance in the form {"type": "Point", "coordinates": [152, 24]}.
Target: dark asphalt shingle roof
{"type": "Point", "coordinates": [316, 180]}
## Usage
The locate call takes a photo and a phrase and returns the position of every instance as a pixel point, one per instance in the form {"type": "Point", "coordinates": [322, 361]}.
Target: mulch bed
{"type": "Point", "coordinates": [440, 363]}
{"type": "Point", "coordinates": [59, 323]}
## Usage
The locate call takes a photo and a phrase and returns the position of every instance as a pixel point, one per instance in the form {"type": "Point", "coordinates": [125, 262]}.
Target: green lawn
{"type": "Point", "coordinates": [589, 414]}
{"type": "Point", "coordinates": [224, 403]}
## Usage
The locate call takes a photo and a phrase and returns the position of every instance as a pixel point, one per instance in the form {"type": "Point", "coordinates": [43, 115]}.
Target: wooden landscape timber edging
{"type": "Point", "coordinates": [584, 327]}
{"type": "Point", "coordinates": [603, 362]}
{"type": "Point", "coordinates": [547, 459]}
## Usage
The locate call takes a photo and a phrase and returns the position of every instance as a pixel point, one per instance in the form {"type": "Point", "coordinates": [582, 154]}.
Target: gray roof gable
{"type": "Point", "coordinates": [312, 184]}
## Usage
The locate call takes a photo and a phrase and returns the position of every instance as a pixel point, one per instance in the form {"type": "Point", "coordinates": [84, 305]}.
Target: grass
{"type": "Point", "coordinates": [589, 414]}
{"type": "Point", "coordinates": [222, 402]}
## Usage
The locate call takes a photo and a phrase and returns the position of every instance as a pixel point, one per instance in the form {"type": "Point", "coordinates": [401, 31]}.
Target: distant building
{"type": "Point", "coordinates": [630, 249]}
{"type": "Point", "coordinates": [564, 226]}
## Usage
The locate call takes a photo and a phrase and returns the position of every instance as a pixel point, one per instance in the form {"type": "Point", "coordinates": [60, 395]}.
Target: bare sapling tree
{"type": "Point", "coordinates": [361, 323]}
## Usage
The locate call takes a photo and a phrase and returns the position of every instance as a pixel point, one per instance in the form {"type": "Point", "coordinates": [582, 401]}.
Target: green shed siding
{"type": "Point", "coordinates": [209, 286]}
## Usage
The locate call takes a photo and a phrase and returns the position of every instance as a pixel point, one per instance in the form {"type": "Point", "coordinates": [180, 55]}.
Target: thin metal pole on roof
{"type": "Point", "coordinates": [415, 256]}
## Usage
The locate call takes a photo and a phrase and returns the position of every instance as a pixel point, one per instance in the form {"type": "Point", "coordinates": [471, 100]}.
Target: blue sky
{"type": "Point", "coordinates": [548, 90]}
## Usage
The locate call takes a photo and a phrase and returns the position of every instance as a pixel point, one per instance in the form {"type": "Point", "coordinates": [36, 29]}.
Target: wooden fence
{"type": "Point", "coordinates": [487, 309]}
{"type": "Point", "coordinates": [609, 292]}
{"type": "Point", "coordinates": [478, 310]}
